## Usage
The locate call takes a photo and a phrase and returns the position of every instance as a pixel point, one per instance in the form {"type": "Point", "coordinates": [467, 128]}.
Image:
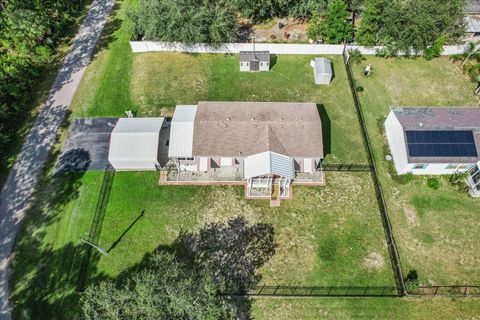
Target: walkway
{"type": "Point", "coordinates": [27, 169]}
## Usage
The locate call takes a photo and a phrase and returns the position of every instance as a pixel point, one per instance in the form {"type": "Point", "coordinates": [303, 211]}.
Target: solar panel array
{"type": "Point", "coordinates": [441, 144]}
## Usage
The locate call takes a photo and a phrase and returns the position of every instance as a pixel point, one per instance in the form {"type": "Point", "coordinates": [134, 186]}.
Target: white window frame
{"type": "Point", "coordinates": [424, 166]}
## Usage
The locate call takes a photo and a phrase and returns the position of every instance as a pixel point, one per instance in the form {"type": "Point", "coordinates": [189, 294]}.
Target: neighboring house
{"type": "Point", "coordinates": [254, 61]}
{"type": "Point", "coordinates": [472, 26]}
{"type": "Point", "coordinates": [139, 144]}
{"type": "Point", "coordinates": [322, 70]}
{"type": "Point", "coordinates": [472, 7]}
{"type": "Point", "coordinates": [269, 143]}
{"type": "Point", "coordinates": [436, 140]}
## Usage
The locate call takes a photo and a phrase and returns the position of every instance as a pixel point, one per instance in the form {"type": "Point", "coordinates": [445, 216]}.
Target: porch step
{"type": "Point", "coordinates": [275, 202]}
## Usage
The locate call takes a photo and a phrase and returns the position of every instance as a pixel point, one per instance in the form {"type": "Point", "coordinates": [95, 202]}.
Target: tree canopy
{"type": "Point", "coordinates": [187, 21]}
{"type": "Point", "coordinates": [30, 31]}
{"type": "Point", "coordinates": [186, 280]}
{"type": "Point", "coordinates": [410, 25]}
{"type": "Point", "coordinates": [333, 27]}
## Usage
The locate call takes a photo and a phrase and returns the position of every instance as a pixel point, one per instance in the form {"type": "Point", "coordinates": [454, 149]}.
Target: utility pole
{"type": "Point", "coordinates": [103, 251]}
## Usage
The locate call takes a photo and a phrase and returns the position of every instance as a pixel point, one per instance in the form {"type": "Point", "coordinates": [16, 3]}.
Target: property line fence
{"type": "Point", "coordinates": [273, 48]}
{"type": "Point", "coordinates": [97, 222]}
{"type": "Point", "coordinates": [447, 291]}
{"type": "Point", "coordinates": [318, 291]}
{"type": "Point", "coordinates": [387, 227]}
{"type": "Point", "coordinates": [350, 167]}
{"type": "Point", "coordinates": [279, 291]}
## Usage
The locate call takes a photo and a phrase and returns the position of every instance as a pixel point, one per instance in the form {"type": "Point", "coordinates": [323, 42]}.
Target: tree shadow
{"type": "Point", "coordinates": [75, 160]}
{"type": "Point", "coordinates": [108, 35]}
{"type": "Point", "coordinates": [326, 130]}
{"type": "Point", "coordinates": [229, 253]}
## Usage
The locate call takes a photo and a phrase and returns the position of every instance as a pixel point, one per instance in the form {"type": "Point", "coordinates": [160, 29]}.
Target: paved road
{"type": "Point", "coordinates": [26, 171]}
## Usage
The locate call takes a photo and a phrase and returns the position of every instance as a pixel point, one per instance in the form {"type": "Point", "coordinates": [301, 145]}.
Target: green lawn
{"type": "Point", "coordinates": [357, 308]}
{"type": "Point", "coordinates": [352, 251]}
{"type": "Point", "coordinates": [436, 230]}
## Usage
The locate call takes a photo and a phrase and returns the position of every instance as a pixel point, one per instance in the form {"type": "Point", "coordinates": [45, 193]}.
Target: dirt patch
{"type": "Point", "coordinates": [223, 204]}
{"type": "Point", "coordinates": [374, 261]}
{"type": "Point", "coordinates": [411, 215]}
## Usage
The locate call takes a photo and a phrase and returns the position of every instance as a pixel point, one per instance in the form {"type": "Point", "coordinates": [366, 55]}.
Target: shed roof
{"type": "Point", "coordinates": [181, 131]}
{"type": "Point", "coordinates": [472, 24]}
{"type": "Point", "coordinates": [322, 67]}
{"type": "Point", "coordinates": [135, 139]}
{"type": "Point", "coordinates": [266, 163]}
{"type": "Point", "coordinates": [254, 56]}
{"type": "Point", "coordinates": [440, 119]}
{"type": "Point", "coordinates": [247, 128]}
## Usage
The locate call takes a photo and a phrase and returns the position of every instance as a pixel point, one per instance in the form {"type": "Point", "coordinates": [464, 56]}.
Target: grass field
{"type": "Point", "coordinates": [381, 308]}
{"type": "Point", "coordinates": [435, 229]}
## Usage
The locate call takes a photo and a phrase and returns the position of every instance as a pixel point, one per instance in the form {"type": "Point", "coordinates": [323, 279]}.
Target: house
{"type": "Point", "coordinates": [138, 144]}
{"type": "Point", "coordinates": [472, 7]}
{"type": "Point", "coordinates": [267, 143]}
{"type": "Point", "coordinates": [322, 70]}
{"type": "Point", "coordinates": [430, 141]}
{"type": "Point", "coordinates": [254, 61]}
{"type": "Point", "coordinates": [472, 26]}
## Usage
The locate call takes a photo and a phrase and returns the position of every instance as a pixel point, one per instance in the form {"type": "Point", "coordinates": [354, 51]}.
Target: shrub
{"type": "Point", "coordinates": [411, 281]}
{"type": "Point", "coordinates": [356, 56]}
{"type": "Point", "coordinates": [360, 89]}
{"type": "Point", "coordinates": [433, 183]}
{"type": "Point", "coordinates": [436, 49]}
{"type": "Point", "coordinates": [400, 179]}
{"type": "Point", "coordinates": [457, 180]}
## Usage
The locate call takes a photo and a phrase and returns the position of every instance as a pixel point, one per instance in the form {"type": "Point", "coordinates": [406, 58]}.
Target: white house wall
{"type": "Point", "coordinates": [396, 142]}
{"type": "Point", "coordinates": [433, 169]}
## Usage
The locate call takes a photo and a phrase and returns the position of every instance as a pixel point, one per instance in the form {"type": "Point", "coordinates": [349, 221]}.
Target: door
{"type": "Point", "coordinates": [254, 65]}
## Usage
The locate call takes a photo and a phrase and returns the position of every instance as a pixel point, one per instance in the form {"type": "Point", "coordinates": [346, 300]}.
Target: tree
{"type": "Point", "coordinates": [472, 50]}
{"type": "Point", "coordinates": [372, 21]}
{"type": "Point", "coordinates": [410, 25]}
{"type": "Point", "coordinates": [333, 27]}
{"type": "Point", "coordinates": [200, 21]}
{"type": "Point", "coordinates": [336, 26]}
{"type": "Point", "coordinates": [166, 289]}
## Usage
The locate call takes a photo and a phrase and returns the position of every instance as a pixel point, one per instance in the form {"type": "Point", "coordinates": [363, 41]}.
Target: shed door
{"type": "Point", "coordinates": [254, 65]}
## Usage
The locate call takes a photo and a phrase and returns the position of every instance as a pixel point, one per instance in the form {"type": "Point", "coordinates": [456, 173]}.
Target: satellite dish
{"type": "Point", "coordinates": [388, 157]}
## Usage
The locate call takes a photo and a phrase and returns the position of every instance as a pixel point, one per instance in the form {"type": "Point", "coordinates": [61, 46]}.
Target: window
{"type": "Point", "coordinates": [241, 64]}
{"type": "Point", "coordinates": [420, 166]}
{"type": "Point", "coordinates": [167, 143]}
{"type": "Point", "coordinates": [452, 166]}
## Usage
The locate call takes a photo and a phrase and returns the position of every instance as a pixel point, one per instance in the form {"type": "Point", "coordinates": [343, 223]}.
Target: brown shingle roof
{"type": "Point", "coordinates": [246, 128]}
{"type": "Point", "coordinates": [440, 118]}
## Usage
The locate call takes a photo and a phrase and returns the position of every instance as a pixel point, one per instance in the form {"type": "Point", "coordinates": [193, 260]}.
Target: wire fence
{"type": "Point", "coordinates": [387, 227]}
{"type": "Point", "coordinates": [97, 222]}
{"type": "Point", "coordinates": [350, 167]}
{"type": "Point", "coordinates": [317, 291]}
{"type": "Point", "coordinates": [447, 291]}
{"type": "Point", "coordinates": [454, 291]}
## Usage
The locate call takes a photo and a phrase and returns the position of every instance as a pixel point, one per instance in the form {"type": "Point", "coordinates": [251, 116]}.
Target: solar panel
{"type": "Point", "coordinates": [441, 144]}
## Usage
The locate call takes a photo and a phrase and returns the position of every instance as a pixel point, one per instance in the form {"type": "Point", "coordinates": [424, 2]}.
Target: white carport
{"type": "Point", "coordinates": [134, 144]}
{"type": "Point", "coordinates": [268, 174]}
{"type": "Point", "coordinates": [322, 70]}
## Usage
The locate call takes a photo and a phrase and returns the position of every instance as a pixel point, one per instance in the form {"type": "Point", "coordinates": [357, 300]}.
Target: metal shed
{"type": "Point", "coordinates": [181, 132]}
{"type": "Point", "coordinates": [254, 61]}
{"type": "Point", "coordinates": [322, 70]}
{"type": "Point", "coordinates": [134, 144]}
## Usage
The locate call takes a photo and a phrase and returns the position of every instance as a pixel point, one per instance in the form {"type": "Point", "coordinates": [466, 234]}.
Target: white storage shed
{"type": "Point", "coordinates": [134, 144]}
{"type": "Point", "coordinates": [322, 70]}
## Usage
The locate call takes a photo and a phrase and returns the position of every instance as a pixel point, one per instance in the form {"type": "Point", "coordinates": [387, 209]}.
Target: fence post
{"type": "Point", "coordinates": [275, 291]}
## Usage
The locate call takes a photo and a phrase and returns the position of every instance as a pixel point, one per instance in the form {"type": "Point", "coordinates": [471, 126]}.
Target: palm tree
{"type": "Point", "coordinates": [471, 50]}
{"type": "Point", "coordinates": [473, 71]}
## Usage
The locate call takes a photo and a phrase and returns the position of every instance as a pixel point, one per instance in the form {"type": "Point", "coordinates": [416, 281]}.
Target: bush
{"type": "Point", "coordinates": [360, 89]}
{"type": "Point", "coordinates": [411, 281]}
{"type": "Point", "coordinates": [436, 49]}
{"type": "Point", "coordinates": [433, 183]}
{"type": "Point", "coordinates": [356, 56]}
{"type": "Point", "coordinates": [457, 180]}
{"type": "Point", "coordinates": [400, 179]}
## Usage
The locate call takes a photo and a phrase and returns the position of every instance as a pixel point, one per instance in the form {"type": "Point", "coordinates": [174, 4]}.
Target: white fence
{"type": "Point", "coordinates": [274, 48]}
